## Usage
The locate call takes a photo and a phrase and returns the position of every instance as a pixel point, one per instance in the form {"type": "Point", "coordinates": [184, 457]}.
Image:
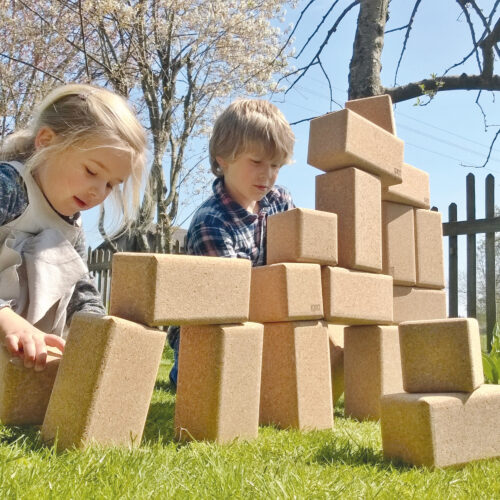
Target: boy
{"type": "Point", "coordinates": [250, 141]}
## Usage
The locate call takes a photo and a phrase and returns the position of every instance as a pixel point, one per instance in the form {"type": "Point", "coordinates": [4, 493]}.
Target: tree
{"type": "Point", "coordinates": [177, 60]}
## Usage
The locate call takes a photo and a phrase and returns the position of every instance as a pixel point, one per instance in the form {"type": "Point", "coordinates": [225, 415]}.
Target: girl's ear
{"type": "Point", "coordinates": [44, 137]}
{"type": "Point", "coordinates": [222, 163]}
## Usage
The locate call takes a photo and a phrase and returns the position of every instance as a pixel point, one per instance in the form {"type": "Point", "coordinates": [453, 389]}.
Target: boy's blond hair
{"type": "Point", "coordinates": [249, 124]}
{"type": "Point", "coordinates": [82, 115]}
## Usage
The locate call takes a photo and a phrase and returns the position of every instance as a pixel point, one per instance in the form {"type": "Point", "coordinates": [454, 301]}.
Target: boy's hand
{"type": "Point", "coordinates": [22, 339]}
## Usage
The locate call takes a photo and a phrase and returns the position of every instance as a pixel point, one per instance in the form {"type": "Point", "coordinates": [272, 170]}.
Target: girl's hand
{"type": "Point", "coordinates": [22, 339]}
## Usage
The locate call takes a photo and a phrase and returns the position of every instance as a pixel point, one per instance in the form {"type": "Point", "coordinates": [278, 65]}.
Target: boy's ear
{"type": "Point", "coordinates": [44, 137]}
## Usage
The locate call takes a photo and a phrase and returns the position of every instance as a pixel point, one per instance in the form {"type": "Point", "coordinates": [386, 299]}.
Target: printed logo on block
{"type": "Point", "coordinates": [315, 307]}
{"type": "Point", "coordinates": [426, 200]}
{"type": "Point", "coordinates": [397, 171]}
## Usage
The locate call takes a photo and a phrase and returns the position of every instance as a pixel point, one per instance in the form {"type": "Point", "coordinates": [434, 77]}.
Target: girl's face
{"type": "Point", "coordinates": [81, 178]}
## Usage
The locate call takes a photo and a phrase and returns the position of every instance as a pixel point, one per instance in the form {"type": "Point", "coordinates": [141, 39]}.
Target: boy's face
{"type": "Point", "coordinates": [249, 177]}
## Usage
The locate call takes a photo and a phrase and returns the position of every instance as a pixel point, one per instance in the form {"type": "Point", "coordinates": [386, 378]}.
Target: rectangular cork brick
{"type": "Point", "coordinates": [377, 109]}
{"type": "Point", "coordinates": [336, 345]}
{"type": "Point", "coordinates": [413, 304]}
{"type": "Point", "coordinates": [413, 191]}
{"type": "Point", "coordinates": [398, 243]}
{"type": "Point", "coordinates": [286, 292]}
{"type": "Point", "coordinates": [345, 138]}
{"type": "Point", "coordinates": [162, 289]}
{"type": "Point", "coordinates": [441, 355]}
{"type": "Point", "coordinates": [302, 235]}
{"type": "Point", "coordinates": [440, 430]}
{"type": "Point", "coordinates": [104, 383]}
{"type": "Point", "coordinates": [372, 368]}
{"type": "Point", "coordinates": [429, 249]}
{"type": "Point", "coordinates": [353, 297]}
{"type": "Point", "coordinates": [25, 393]}
{"type": "Point", "coordinates": [354, 196]}
{"type": "Point", "coordinates": [218, 388]}
{"type": "Point", "coordinates": [296, 382]}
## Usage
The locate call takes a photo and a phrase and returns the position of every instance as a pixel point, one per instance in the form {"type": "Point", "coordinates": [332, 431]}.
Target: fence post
{"type": "Point", "coordinates": [491, 310]}
{"type": "Point", "coordinates": [471, 248]}
{"type": "Point", "coordinates": [452, 266]}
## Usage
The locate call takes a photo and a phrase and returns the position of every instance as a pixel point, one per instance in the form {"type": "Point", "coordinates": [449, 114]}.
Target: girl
{"type": "Point", "coordinates": [83, 144]}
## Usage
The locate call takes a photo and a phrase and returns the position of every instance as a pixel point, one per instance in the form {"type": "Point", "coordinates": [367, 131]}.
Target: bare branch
{"type": "Point", "coordinates": [463, 5]}
{"type": "Point", "coordinates": [32, 66]}
{"type": "Point", "coordinates": [487, 48]}
{"type": "Point", "coordinates": [83, 39]}
{"type": "Point", "coordinates": [489, 154]}
{"type": "Point", "coordinates": [397, 29]}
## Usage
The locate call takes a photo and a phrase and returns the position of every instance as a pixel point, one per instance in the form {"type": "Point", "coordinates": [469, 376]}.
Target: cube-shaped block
{"type": "Point", "coordinates": [162, 289]}
{"type": "Point", "coordinates": [286, 292]}
{"type": "Point", "coordinates": [218, 388]}
{"type": "Point", "coordinates": [104, 383]}
{"type": "Point", "coordinates": [429, 249]}
{"type": "Point", "coordinates": [336, 344]}
{"type": "Point", "coordinates": [24, 392]}
{"type": "Point", "coordinates": [353, 297]}
{"type": "Point", "coordinates": [377, 109]}
{"type": "Point", "coordinates": [302, 235]}
{"type": "Point", "coordinates": [296, 383]}
{"type": "Point", "coordinates": [345, 138]}
{"type": "Point", "coordinates": [443, 429]}
{"type": "Point", "coordinates": [354, 196]}
{"type": "Point", "coordinates": [372, 368]}
{"type": "Point", "coordinates": [441, 355]}
{"type": "Point", "coordinates": [413, 191]}
{"type": "Point", "coordinates": [398, 243]}
{"type": "Point", "coordinates": [412, 304]}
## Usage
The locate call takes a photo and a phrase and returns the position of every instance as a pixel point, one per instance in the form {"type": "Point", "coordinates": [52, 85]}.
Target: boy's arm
{"type": "Point", "coordinates": [210, 239]}
{"type": "Point", "coordinates": [13, 197]}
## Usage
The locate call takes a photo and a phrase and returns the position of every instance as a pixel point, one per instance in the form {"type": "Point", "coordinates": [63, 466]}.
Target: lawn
{"type": "Point", "coordinates": [346, 462]}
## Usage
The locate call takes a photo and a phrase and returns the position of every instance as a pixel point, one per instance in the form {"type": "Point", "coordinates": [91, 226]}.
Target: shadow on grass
{"type": "Point", "coordinates": [164, 386]}
{"type": "Point", "coordinates": [26, 436]}
{"type": "Point", "coordinates": [160, 422]}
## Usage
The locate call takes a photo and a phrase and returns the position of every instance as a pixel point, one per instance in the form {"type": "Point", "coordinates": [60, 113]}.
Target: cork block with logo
{"type": "Point", "coordinates": [296, 383]}
{"type": "Point", "coordinates": [429, 249]}
{"type": "Point", "coordinates": [104, 383]}
{"type": "Point", "coordinates": [24, 392]}
{"type": "Point", "coordinates": [377, 109]}
{"type": "Point", "coordinates": [345, 138]}
{"type": "Point", "coordinates": [413, 191]}
{"type": "Point", "coordinates": [164, 289]}
{"type": "Point", "coordinates": [354, 196]}
{"type": "Point", "coordinates": [218, 388]}
{"type": "Point", "coordinates": [412, 304]}
{"type": "Point", "coordinates": [286, 292]}
{"type": "Point", "coordinates": [441, 355]}
{"type": "Point", "coordinates": [441, 429]}
{"type": "Point", "coordinates": [302, 235]}
{"type": "Point", "coordinates": [398, 243]}
{"type": "Point", "coordinates": [352, 297]}
{"type": "Point", "coordinates": [372, 368]}
{"type": "Point", "coordinates": [336, 344]}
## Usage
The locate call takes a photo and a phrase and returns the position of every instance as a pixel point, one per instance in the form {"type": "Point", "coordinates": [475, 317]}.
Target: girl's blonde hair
{"type": "Point", "coordinates": [249, 124]}
{"type": "Point", "coordinates": [82, 115]}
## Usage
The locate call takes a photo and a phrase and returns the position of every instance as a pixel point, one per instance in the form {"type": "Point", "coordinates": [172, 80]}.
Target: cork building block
{"type": "Point", "coordinates": [302, 235]}
{"type": "Point", "coordinates": [429, 249]}
{"type": "Point", "coordinates": [296, 383]}
{"type": "Point", "coordinates": [441, 355]}
{"type": "Point", "coordinates": [218, 388]}
{"type": "Point", "coordinates": [440, 430]}
{"type": "Point", "coordinates": [353, 297]}
{"type": "Point", "coordinates": [345, 138]}
{"type": "Point", "coordinates": [336, 344]}
{"type": "Point", "coordinates": [398, 243]}
{"type": "Point", "coordinates": [354, 196]}
{"type": "Point", "coordinates": [413, 191]}
{"type": "Point", "coordinates": [162, 289]}
{"type": "Point", "coordinates": [104, 384]}
{"type": "Point", "coordinates": [372, 368]}
{"type": "Point", "coordinates": [412, 304]}
{"type": "Point", "coordinates": [286, 292]}
{"type": "Point", "coordinates": [25, 393]}
{"type": "Point", "coordinates": [377, 109]}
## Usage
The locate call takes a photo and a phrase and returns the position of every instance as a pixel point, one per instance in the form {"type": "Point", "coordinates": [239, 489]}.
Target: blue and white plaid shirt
{"type": "Point", "coordinates": [223, 228]}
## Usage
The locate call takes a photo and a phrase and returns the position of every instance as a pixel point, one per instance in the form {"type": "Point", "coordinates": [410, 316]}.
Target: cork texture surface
{"type": "Point", "coordinates": [336, 345]}
{"type": "Point", "coordinates": [355, 197]}
{"type": "Point", "coordinates": [441, 430]}
{"type": "Point", "coordinates": [219, 382]}
{"type": "Point", "coordinates": [165, 289]}
{"type": "Point", "coordinates": [345, 138]}
{"type": "Point", "coordinates": [441, 355]}
{"type": "Point", "coordinates": [377, 109]}
{"type": "Point", "coordinates": [302, 235]}
{"type": "Point", "coordinates": [412, 304]}
{"type": "Point", "coordinates": [413, 191]}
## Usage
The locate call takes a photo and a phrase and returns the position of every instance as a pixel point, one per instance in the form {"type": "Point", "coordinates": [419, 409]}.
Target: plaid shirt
{"type": "Point", "coordinates": [223, 228]}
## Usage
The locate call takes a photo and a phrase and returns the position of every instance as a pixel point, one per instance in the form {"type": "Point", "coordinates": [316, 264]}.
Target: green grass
{"type": "Point", "coordinates": [345, 463]}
